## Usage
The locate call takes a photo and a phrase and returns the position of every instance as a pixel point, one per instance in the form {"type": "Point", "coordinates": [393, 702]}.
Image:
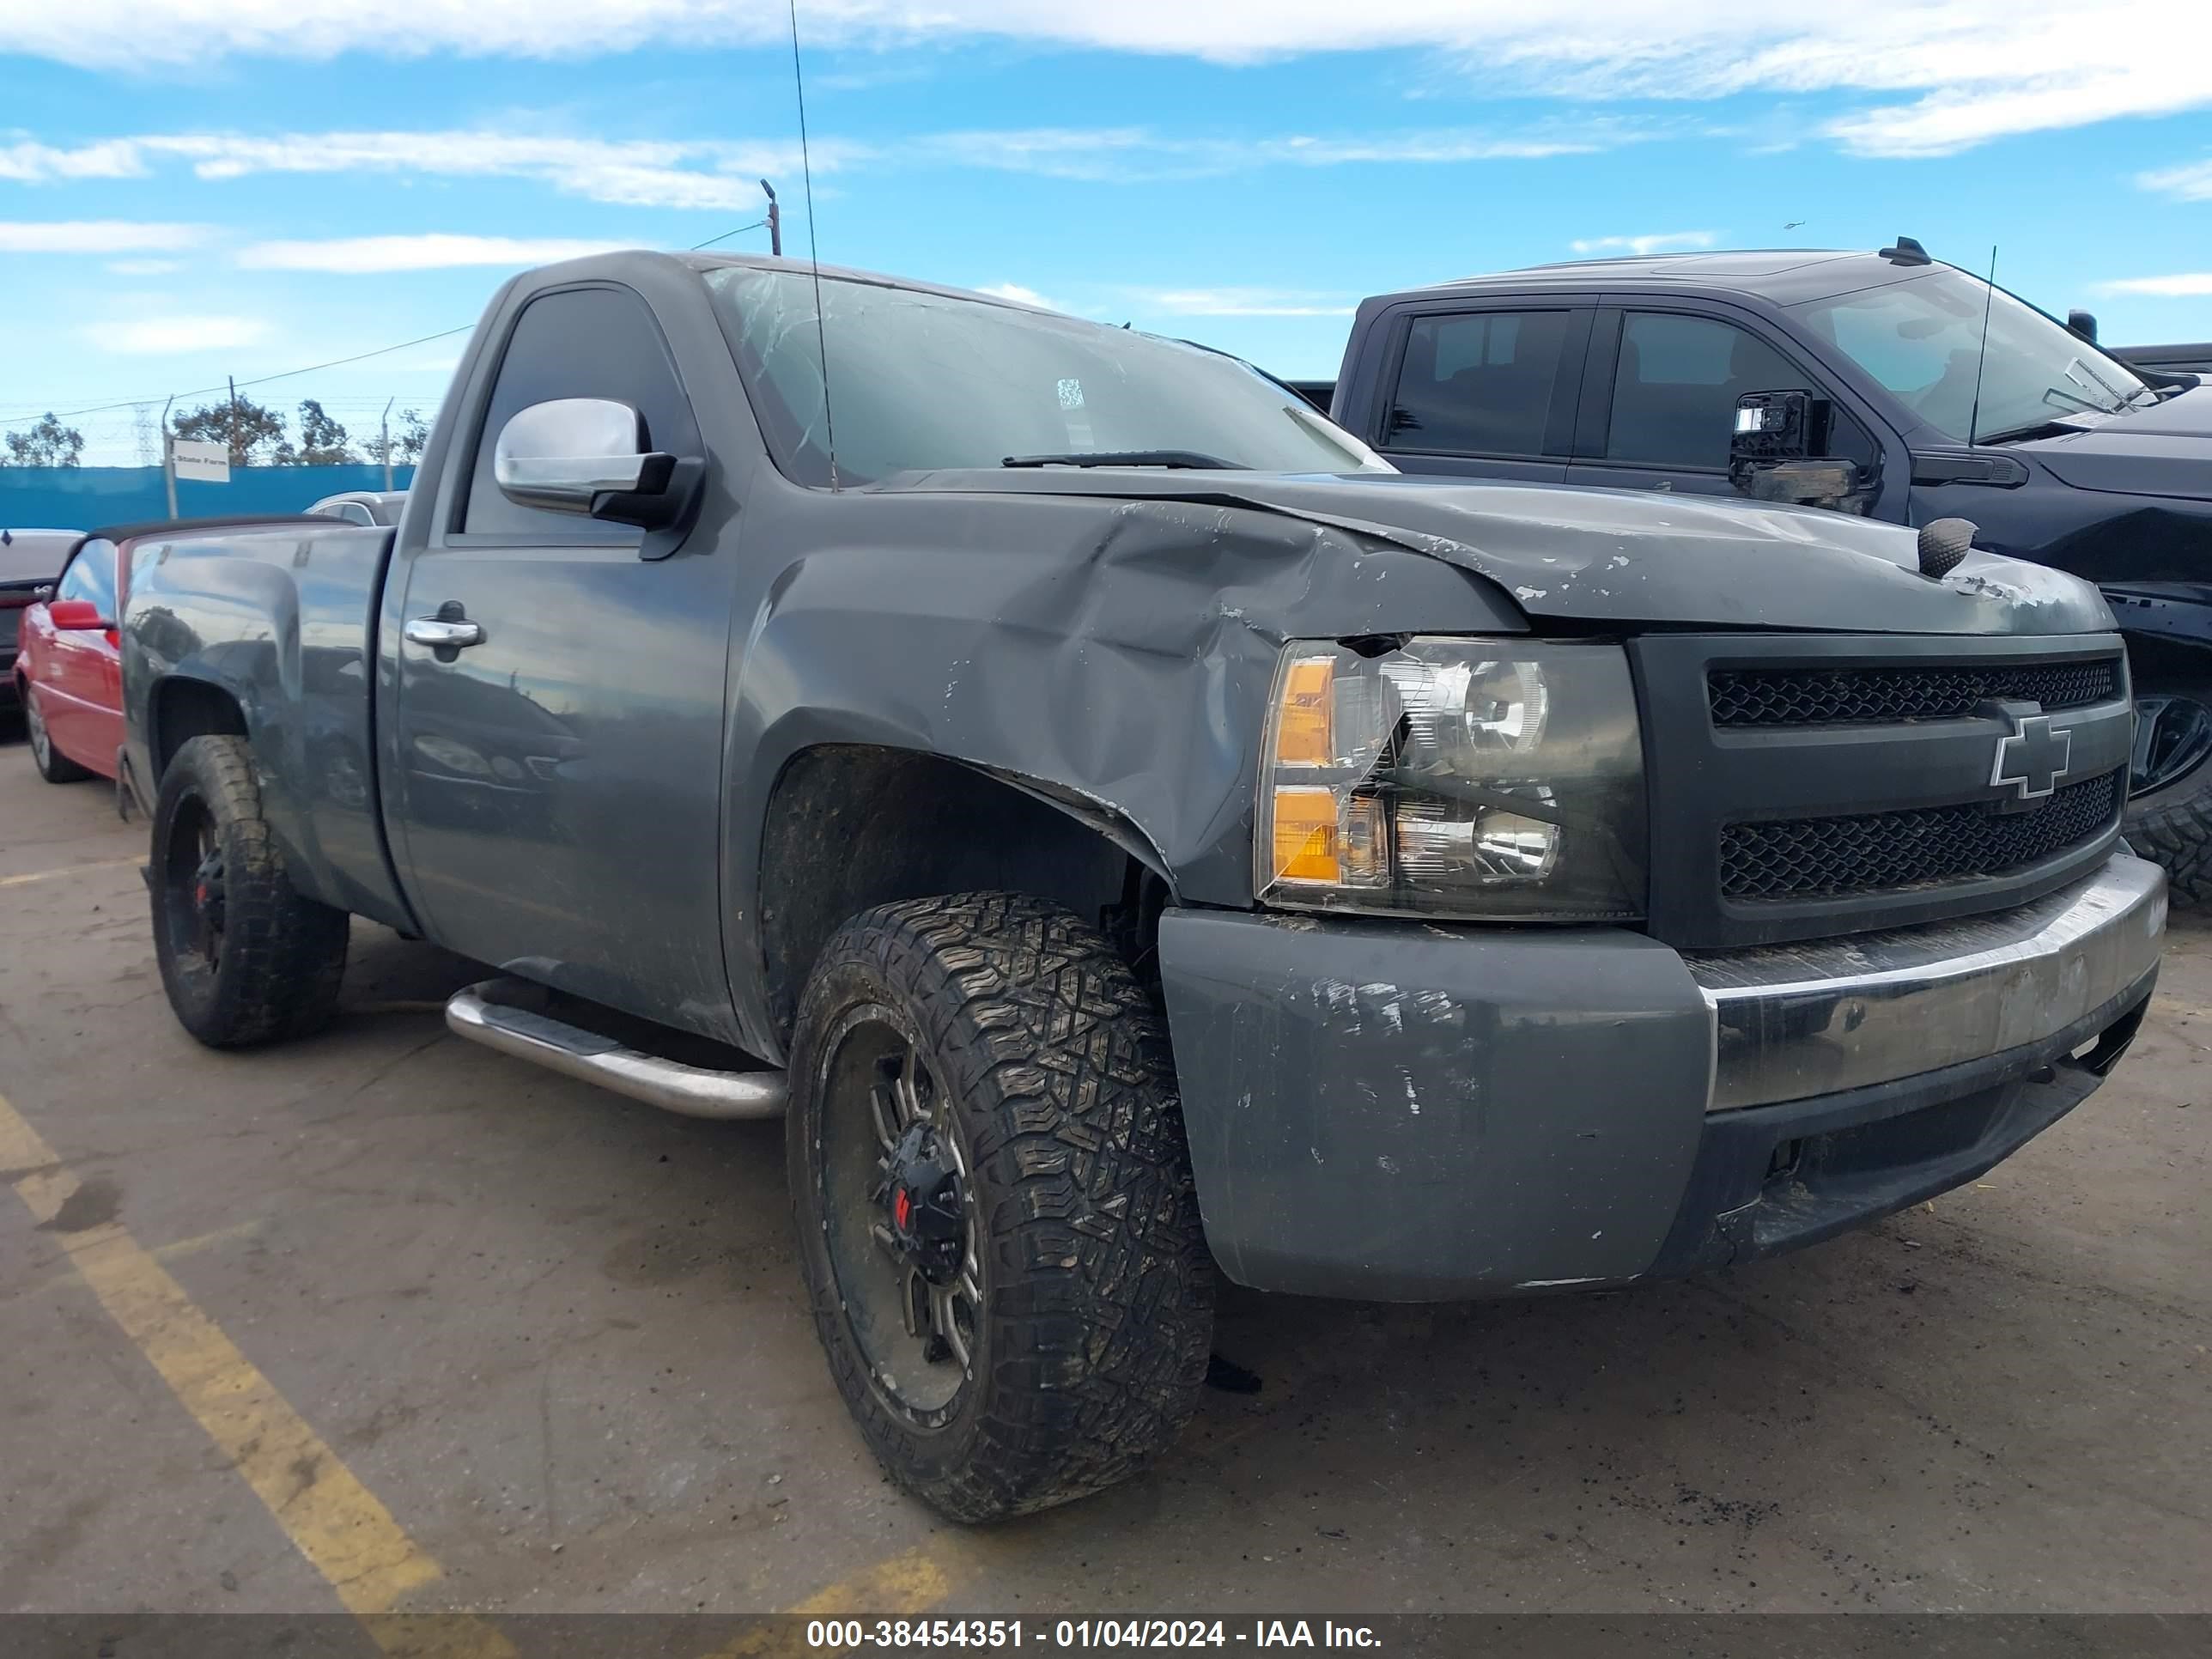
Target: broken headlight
{"type": "Point", "coordinates": [1493, 779]}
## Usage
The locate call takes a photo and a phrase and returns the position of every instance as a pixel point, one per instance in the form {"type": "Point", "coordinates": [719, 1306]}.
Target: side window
{"type": "Point", "coordinates": [578, 343]}
{"type": "Point", "coordinates": [1480, 383]}
{"type": "Point", "coordinates": [91, 575]}
{"type": "Point", "coordinates": [1675, 386]}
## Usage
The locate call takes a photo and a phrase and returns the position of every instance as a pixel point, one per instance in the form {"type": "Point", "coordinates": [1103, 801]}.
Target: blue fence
{"type": "Point", "coordinates": [86, 497]}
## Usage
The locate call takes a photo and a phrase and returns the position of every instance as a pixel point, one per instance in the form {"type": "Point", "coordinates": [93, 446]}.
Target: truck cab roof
{"type": "Point", "coordinates": [1782, 275]}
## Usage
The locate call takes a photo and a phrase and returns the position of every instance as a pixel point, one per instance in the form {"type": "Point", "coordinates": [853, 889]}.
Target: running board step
{"type": "Point", "coordinates": [494, 1012]}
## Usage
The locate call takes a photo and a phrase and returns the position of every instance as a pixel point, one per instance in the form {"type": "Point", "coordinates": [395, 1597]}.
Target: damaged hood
{"type": "Point", "coordinates": [1619, 558]}
{"type": "Point", "coordinates": [2164, 450]}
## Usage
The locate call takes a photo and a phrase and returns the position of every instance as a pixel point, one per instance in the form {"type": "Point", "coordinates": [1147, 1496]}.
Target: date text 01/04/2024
{"type": "Point", "coordinates": [834, 1634]}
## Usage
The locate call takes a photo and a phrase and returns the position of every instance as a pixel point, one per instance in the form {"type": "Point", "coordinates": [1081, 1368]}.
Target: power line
{"type": "Point", "coordinates": [336, 362]}
{"type": "Point", "coordinates": [263, 379]}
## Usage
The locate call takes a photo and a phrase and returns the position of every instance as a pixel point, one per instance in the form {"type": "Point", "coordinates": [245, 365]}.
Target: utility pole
{"type": "Point", "coordinates": [774, 221]}
{"type": "Point", "coordinates": [384, 442]}
{"type": "Point", "coordinates": [169, 458]}
{"type": "Point", "coordinates": [236, 458]}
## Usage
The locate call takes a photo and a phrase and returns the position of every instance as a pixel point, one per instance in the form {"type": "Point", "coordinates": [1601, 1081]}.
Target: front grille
{"type": "Point", "coordinates": [1809, 858]}
{"type": "Point", "coordinates": [1846, 696]}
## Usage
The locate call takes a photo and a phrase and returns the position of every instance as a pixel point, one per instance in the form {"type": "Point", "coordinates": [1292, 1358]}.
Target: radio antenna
{"type": "Point", "coordinates": [1973, 420]}
{"type": "Point", "coordinates": [813, 249]}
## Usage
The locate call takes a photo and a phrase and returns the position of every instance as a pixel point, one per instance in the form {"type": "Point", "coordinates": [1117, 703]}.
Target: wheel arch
{"type": "Point", "coordinates": [851, 825]}
{"type": "Point", "coordinates": [182, 707]}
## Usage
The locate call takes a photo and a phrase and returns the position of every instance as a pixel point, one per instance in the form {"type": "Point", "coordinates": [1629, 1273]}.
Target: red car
{"type": "Point", "coordinates": [68, 671]}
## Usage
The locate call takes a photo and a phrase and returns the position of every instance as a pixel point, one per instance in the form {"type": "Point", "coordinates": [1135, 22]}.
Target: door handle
{"type": "Point", "coordinates": [440, 635]}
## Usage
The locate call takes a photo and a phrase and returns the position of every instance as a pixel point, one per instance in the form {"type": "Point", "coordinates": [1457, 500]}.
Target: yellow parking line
{"type": "Point", "coordinates": [68, 870]}
{"type": "Point", "coordinates": [898, 1588]}
{"type": "Point", "coordinates": [333, 1520]}
{"type": "Point", "coordinates": [173, 1252]}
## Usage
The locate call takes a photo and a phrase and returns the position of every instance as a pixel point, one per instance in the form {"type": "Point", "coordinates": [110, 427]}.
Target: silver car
{"type": "Point", "coordinates": [372, 508]}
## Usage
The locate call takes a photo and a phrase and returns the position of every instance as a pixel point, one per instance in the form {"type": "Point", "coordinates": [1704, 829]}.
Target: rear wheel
{"type": "Point", "coordinates": [53, 766]}
{"type": "Point", "coordinates": [244, 956]}
{"type": "Point", "coordinates": [995, 1205]}
{"type": "Point", "coordinates": [2169, 817]}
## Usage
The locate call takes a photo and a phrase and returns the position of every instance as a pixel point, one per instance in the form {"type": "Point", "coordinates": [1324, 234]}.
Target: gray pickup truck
{"type": "Point", "coordinates": [1137, 836]}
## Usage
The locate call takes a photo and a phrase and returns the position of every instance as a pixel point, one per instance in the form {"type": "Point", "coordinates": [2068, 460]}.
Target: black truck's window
{"type": "Point", "coordinates": [578, 343]}
{"type": "Point", "coordinates": [1478, 384]}
{"type": "Point", "coordinates": [1674, 390]}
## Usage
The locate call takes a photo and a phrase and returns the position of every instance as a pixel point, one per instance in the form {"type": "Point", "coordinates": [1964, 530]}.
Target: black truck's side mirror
{"type": "Point", "coordinates": [590, 456]}
{"type": "Point", "coordinates": [1779, 453]}
{"type": "Point", "coordinates": [2083, 324]}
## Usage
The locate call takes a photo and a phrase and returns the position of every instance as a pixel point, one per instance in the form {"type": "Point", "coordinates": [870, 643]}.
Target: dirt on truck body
{"type": "Point", "coordinates": [1135, 836]}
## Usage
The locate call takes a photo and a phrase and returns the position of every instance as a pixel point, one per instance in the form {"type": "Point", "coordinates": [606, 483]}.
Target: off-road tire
{"type": "Point", "coordinates": [282, 955]}
{"type": "Point", "coordinates": [53, 766]}
{"type": "Point", "coordinates": [2172, 826]}
{"type": "Point", "coordinates": [1098, 1292]}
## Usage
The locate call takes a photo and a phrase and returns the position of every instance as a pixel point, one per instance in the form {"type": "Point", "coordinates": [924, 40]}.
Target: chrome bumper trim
{"type": "Point", "coordinates": [1792, 1021]}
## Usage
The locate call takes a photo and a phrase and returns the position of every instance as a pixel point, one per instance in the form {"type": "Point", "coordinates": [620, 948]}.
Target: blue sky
{"type": "Point", "coordinates": [297, 181]}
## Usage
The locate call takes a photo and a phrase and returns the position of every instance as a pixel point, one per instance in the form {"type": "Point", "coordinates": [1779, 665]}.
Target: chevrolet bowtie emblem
{"type": "Point", "coordinates": [2034, 759]}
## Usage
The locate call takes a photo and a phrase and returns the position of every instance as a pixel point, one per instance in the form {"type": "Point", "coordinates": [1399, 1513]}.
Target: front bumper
{"type": "Point", "coordinates": [1407, 1111]}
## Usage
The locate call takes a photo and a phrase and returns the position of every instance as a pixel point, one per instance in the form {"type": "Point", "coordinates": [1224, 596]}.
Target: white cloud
{"type": "Point", "coordinates": [1669, 241]}
{"type": "Point", "coordinates": [1139, 154]}
{"type": "Point", "coordinates": [634, 172]}
{"type": "Point", "coordinates": [2188, 284]}
{"type": "Point", "coordinates": [38, 164]}
{"type": "Point", "coordinates": [723, 176]}
{"type": "Point", "coordinates": [432, 252]}
{"type": "Point", "coordinates": [1243, 302]}
{"type": "Point", "coordinates": [2191, 183]}
{"type": "Point", "coordinates": [1953, 73]}
{"type": "Point", "coordinates": [1020, 296]}
{"type": "Point", "coordinates": [164, 336]}
{"type": "Point", "coordinates": [97, 236]}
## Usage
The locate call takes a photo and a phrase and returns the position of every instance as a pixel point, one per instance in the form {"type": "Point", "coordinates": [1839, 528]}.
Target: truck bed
{"type": "Point", "coordinates": [306, 684]}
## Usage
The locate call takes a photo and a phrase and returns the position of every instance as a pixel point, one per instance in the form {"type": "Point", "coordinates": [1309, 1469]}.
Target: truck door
{"type": "Point", "coordinates": [1659, 397]}
{"type": "Point", "coordinates": [1487, 393]}
{"type": "Point", "coordinates": [553, 787]}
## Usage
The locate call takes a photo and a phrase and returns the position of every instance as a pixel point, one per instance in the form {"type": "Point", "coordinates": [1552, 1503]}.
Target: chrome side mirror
{"type": "Point", "coordinates": [564, 455]}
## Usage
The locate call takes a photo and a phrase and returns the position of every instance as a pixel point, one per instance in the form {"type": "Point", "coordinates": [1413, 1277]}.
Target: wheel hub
{"type": "Point", "coordinates": [925, 1205]}
{"type": "Point", "coordinates": [209, 899]}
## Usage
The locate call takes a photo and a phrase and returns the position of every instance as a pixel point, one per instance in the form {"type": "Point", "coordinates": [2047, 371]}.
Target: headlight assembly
{"type": "Point", "coordinates": [1492, 779]}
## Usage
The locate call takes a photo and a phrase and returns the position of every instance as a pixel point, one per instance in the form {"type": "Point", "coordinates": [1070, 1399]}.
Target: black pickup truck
{"type": "Point", "coordinates": [1137, 835]}
{"type": "Point", "coordinates": [1628, 374]}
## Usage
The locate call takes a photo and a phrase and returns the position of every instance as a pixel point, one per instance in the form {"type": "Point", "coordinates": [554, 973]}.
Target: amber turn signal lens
{"type": "Point", "coordinates": [1303, 727]}
{"type": "Point", "coordinates": [1305, 834]}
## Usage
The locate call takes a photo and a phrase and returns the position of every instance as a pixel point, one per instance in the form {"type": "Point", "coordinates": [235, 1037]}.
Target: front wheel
{"type": "Point", "coordinates": [2169, 817]}
{"type": "Point", "coordinates": [995, 1211]}
{"type": "Point", "coordinates": [53, 766]}
{"type": "Point", "coordinates": [244, 956]}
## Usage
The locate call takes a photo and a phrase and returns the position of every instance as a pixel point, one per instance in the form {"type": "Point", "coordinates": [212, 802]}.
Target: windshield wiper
{"type": "Point", "coordinates": [2031, 429]}
{"type": "Point", "coordinates": [1171, 458]}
